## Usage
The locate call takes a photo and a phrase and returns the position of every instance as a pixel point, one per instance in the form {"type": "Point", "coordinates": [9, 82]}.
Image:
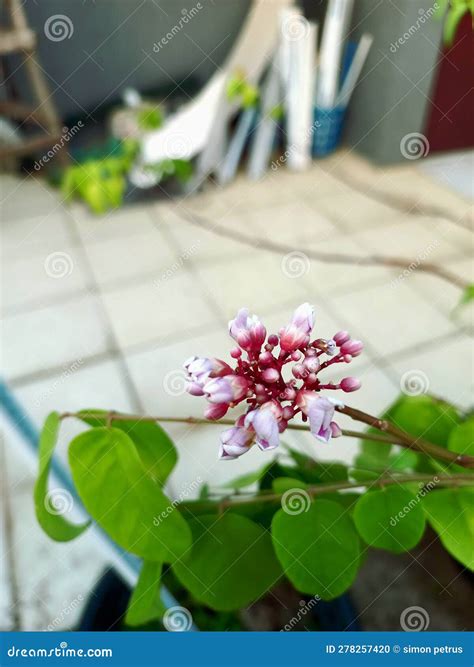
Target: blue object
{"type": "Point", "coordinates": [328, 124]}
{"type": "Point", "coordinates": [234, 649]}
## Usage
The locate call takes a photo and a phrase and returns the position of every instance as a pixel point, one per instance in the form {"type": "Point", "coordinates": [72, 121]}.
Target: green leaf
{"type": "Point", "coordinates": [114, 487]}
{"type": "Point", "coordinates": [145, 605]}
{"type": "Point", "coordinates": [317, 472]}
{"type": "Point", "coordinates": [282, 484]}
{"type": "Point", "coordinates": [467, 295]}
{"type": "Point", "coordinates": [404, 460]}
{"type": "Point", "coordinates": [50, 517]}
{"type": "Point", "coordinates": [363, 474]}
{"type": "Point", "coordinates": [461, 438]}
{"type": "Point", "coordinates": [425, 417]}
{"type": "Point", "coordinates": [232, 562]}
{"type": "Point", "coordinates": [451, 514]}
{"type": "Point", "coordinates": [154, 446]}
{"type": "Point", "coordinates": [275, 470]}
{"type": "Point", "coordinates": [246, 480]}
{"type": "Point", "coordinates": [452, 20]}
{"type": "Point", "coordinates": [390, 519]}
{"type": "Point", "coordinates": [318, 548]}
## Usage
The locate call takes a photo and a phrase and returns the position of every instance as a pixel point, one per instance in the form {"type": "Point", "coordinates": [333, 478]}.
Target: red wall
{"type": "Point", "coordinates": [450, 122]}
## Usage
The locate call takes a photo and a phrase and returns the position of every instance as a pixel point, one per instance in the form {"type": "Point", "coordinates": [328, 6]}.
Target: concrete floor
{"type": "Point", "coordinates": [102, 312]}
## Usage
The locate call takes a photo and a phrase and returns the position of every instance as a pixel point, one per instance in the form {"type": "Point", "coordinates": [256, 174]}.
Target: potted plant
{"type": "Point", "coordinates": [294, 529]}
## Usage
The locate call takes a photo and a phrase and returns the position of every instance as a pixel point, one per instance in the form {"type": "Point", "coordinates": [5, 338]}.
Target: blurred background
{"type": "Point", "coordinates": [131, 233]}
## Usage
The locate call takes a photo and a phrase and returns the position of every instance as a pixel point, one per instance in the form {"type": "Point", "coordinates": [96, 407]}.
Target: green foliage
{"type": "Point", "coordinates": [391, 518]}
{"type": "Point", "coordinates": [231, 563]}
{"type": "Point", "coordinates": [282, 484]}
{"type": "Point", "coordinates": [50, 519]}
{"type": "Point", "coordinates": [316, 472]}
{"type": "Point", "coordinates": [452, 11]}
{"type": "Point", "coordinates": [153, 444]}
{"type": "Point", "coordinates": [145, 605]}
{"type": "Point", "coordinates": [239, 89]}
{"type": "Point", "coordinates": [318, 548]}
{"type": "Point", "coordinates": [425, 417]}
{"type": "Point", "coordinates": [101, 181]}
{"type": "Point", "coordinates": [181, 169]}
{"type": "Point", "coordinates": [467, 296]}
{"type": "Point", "coordinates": [150, 118]}
{"type": "Point", "coordinates": [247, 479]}
{"type": "Point", "coordinates": [461, 438]}
{"type": "Point", "coordinates": [111, 480]}
{"type": "Point", "coordinates": [451, 513]}
{"type": "Point", "coordinates": [229, 551]}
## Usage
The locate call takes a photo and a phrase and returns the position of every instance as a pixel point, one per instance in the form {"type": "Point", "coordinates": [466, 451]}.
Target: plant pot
{"type": "Point", "coordinates": [107, 604]}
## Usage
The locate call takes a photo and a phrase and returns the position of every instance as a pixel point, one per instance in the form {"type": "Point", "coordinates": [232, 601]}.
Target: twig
{"type": "Point", "coordinates": [458, 479]}
{"type": "Point", "coordinates": [407, 440]}
{"type": "Point", "coordinates": [390, 433]}
{"type": "Point", "coordinates": [328, 257]}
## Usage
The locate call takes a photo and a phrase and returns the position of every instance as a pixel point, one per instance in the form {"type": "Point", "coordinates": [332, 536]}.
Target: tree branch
{"type": "Point", "coordinates": [458, 479]}
{"type": "Point", "coordinates": [407, 440]}
{"type": "Point", "coordinates": [328, 257]}
{"type": "Point", "coordinates": [390, 433]}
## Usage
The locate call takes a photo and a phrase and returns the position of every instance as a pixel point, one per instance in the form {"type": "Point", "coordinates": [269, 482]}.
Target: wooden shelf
{"type": "Point", "coordinates": [14, 40]}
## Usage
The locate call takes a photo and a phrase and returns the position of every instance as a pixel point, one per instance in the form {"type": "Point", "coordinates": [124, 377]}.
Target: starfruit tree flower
{"type": "Point", "coordinates": [254, 376]}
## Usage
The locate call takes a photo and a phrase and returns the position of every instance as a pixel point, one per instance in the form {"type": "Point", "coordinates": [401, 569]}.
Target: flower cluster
{"type": "Point", "coordinates": [258, 379]}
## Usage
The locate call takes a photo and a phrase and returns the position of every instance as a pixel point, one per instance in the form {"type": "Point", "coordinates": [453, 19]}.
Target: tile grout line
{"type": "Point", "coordinates": [115, 349]}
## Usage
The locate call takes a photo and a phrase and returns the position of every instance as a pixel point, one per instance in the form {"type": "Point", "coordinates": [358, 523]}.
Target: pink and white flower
{"type": "Point", "coordinates": [264, 421]}
{"type": "Point", "coordinates": [258, 379]}
{"type": "Point", "coordinates": [296, 334]}
{"type": "Point", "coordinates": [247, 331]}
{"type": "Point", "coordinates": [235, 441]}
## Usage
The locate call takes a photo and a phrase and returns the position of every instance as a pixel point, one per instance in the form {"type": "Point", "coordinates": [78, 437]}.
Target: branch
{"type": "Point", "coordinates": [407, 440]}
{"type": "Point", "coordinates": [328, 257]}
{"type": "Point", "coordinates": [458, 479]}
{"type": "Point", "coordinates": [391, 434]}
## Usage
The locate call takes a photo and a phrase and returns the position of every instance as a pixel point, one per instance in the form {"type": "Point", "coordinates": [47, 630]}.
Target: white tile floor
{"type": "Point", "coordinates": [142, 289]}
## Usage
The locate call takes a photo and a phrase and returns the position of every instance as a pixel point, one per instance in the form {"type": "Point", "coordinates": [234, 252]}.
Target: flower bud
{"type": "Point", "coordinates": [271, 375]}
{"type": "Point", "coordinates": [350, 384]}
{"type": "Point", "coordinates": [216, 410]}
{"type": "Point", "coordinates": [353, 347]}
{"type": "Point", "coordinates": [341, 337]}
